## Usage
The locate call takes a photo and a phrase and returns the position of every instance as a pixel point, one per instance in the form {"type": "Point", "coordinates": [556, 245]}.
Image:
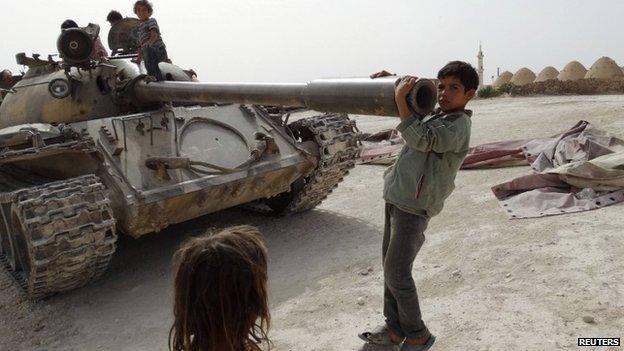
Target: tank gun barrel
{"type": "Point", "coordinates": [345, 95]}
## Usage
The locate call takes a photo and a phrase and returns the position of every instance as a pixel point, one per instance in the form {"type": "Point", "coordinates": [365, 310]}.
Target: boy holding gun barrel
{"type": "Point", "coordinates": [415, 188]}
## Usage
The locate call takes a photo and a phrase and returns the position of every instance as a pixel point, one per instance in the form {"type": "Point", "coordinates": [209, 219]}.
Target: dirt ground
{"type": "Point", "coordinates": [485, 282]}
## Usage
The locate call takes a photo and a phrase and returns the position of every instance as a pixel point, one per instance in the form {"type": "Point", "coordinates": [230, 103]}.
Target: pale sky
{"type": "Point", "coordinates": [299, 40]}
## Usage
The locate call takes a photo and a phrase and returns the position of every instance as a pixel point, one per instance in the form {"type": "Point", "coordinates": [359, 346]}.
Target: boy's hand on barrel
{"type": "Point", "coordinates": [402, 89]}
{"type": "Point", "coordinates": [404, 86]}
{"type": "Point", "coordinates": [382, 73]}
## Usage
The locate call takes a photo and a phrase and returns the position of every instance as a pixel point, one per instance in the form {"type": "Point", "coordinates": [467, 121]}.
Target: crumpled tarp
{"type": "Point", "coordinates": [527, 151]}
{"type": "Point", "coordinates": [578, 170]}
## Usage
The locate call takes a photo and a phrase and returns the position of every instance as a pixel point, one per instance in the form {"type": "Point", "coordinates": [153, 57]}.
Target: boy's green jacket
{"type": "Point", "coordinates": [423, 175]}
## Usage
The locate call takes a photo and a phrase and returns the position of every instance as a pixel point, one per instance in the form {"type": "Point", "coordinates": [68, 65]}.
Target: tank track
{"type": "Point", "coordinates": [85, 144]}
{"type": "Point", "coordinates": [338, 140]}
{"type": "Point", "coordinates": [14, 178]}
{"type": "Point", "coordinates": [68, 235]}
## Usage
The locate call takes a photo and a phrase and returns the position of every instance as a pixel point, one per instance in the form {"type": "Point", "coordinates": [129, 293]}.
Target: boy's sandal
{"type": "Point", "coordinates": [379, 336]}
{"type": "Point", "coordinates": [425, 347]}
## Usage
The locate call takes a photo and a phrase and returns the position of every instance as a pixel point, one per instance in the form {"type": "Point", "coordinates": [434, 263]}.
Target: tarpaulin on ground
{"type": "Point", "coordinates": [515, 152]}
{"type": "Point", "coordinates": [578, 170]}
{"type": "Point", "coordinates": [381, 148]}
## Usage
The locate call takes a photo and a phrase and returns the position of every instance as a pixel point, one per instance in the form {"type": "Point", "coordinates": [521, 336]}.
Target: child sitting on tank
{"type": "Point", "coordinates": [7, 79]}
{"type": "Point", "coordinates": [152, 49]}
{"type": "Point", "coordinates": [99, 51]}
{"type": "Point", "coordinates": [114, 17]}
{"type": "Point", "coordinates": [221, 297]}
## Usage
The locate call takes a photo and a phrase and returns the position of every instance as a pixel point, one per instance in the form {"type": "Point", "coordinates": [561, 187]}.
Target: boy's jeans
{"type": "Point", "coordinates": [153, 56]}
{"type": "Point", "coordinates": [403, 237]}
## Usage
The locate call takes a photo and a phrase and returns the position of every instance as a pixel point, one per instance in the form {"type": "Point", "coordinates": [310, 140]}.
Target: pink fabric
{"type": "Point", "coordinates": [565, 179]}
{"type": "Point", "coordinates": [497, 154]}
{"type": "Point", "coordinates": [99, 51]}
{"type": "Point", "coordinates": [381, 148]}
{"type": "Point", "coordinates": [547, 201]}
{"type": "Point", "coordinates": [515, 152]}
{"type": "Point", "coordinates": [527, 183]}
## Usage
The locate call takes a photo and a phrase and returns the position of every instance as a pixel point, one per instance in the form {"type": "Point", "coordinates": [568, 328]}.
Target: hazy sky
{"type": "Point", "coordinates": [299, 40]}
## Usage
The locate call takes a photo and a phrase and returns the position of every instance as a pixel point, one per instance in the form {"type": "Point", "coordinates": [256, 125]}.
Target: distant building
{"type": "Point", "coordinates": [523, 76]}
{"type": "Point", "coordinates": [503, 78]}
{"type": "Point", "coordinates": [480, 66]}
{"type": "Point", "coordinates": [605, 68]}
{"type": "Point", "coordinates": [572, 71]}
{"type": "Point", "coordinates": [547, 73]}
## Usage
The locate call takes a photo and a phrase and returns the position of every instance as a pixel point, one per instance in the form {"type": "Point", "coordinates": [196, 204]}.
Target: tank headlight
{"type": "Point", "coordinates": [59, 88]}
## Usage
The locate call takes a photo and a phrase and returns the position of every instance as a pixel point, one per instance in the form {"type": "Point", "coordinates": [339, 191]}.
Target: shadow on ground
{"type": "Point", "coordinates": [304, 235]}
{"type": "Point", "coordinates": [137, 288]}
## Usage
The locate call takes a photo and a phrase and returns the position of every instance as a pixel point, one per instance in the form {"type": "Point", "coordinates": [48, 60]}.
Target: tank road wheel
{"type": "Point", "coordinates": [63, 234]}
{"type": "Point", "coordinates": [339, 147]}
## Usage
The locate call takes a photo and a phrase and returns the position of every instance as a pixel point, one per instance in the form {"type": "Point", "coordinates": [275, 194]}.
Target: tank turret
{"type": "Point", "coordinates": [64, 93]}
{"type": "Point", "coordinates": [76, 95]}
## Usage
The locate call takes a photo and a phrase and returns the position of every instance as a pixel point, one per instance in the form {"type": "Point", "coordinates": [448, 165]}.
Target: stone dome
{"type": "Point", "coordinates": [547, 73]}
{"type": "Point", "coordinates": [504, 78]}
{"type": "Point", "coordinates": [572, 71]}
{"type": "Point", "coordinates": [523, 76]}
{"type": "Point", "coordinates": [605, 68]}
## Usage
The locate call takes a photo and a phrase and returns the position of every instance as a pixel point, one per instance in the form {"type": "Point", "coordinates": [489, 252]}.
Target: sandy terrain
{"type": "Point", "coordinates": [486, 282]}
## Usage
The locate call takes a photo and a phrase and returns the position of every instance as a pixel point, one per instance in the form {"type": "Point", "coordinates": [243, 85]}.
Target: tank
{"type": "Point", "coordinates": [90, 150]}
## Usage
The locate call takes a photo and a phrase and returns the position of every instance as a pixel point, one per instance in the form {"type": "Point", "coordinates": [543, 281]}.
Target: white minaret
{"type": "Point", "coordinates": [480, 66]}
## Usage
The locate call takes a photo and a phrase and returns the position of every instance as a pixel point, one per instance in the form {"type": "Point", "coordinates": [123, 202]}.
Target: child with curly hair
{"type": "Point", "coordinates": [152, 49]}
{"type": "Point", "coordinates": [221, 299]}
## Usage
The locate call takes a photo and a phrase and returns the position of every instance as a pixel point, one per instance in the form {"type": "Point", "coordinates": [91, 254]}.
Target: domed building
{"type": "Point", "coordinates": [504, 78]}
{"type": "Point", "coordinates": [523, 76]}
{"type": "Point", "coordinates": [572, 71]}
{"type": "Point", "coordinates": [547, 73]}
{"type": "Point", "coordinates": [605, 68]}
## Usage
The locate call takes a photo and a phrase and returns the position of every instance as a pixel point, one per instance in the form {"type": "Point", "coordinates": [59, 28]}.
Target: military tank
{"type": "Point", "coordinates": [90, 149]}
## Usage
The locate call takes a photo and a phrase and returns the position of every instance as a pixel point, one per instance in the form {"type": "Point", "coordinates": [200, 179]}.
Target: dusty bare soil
{"type": "Point", "coordinates": [486, 282]}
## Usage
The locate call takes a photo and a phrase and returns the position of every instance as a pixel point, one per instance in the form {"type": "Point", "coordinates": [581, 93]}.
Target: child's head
{"type": "Point", "coordinates": [143, 9]}
{"type": "Point", "coordinates": [6, 75]}
{"type": "Point", "coordinates": [458, 83]}
{"type": "Point", "coordinates": [221, 300]}
{"type": "Point", "coordinates": [114, 16]}
{"type": "Point", "coordinates": [68, 23]}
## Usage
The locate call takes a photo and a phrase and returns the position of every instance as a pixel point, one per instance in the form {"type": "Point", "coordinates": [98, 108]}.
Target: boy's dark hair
{"type": "Point", "coordinates": [462, 70]}
{"type": "Point", "coordinates": [146, 4]}
{"type": "Point", "coordinates": [114, 16]}
{"type": "Point", "coordinates": [69, 24]}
